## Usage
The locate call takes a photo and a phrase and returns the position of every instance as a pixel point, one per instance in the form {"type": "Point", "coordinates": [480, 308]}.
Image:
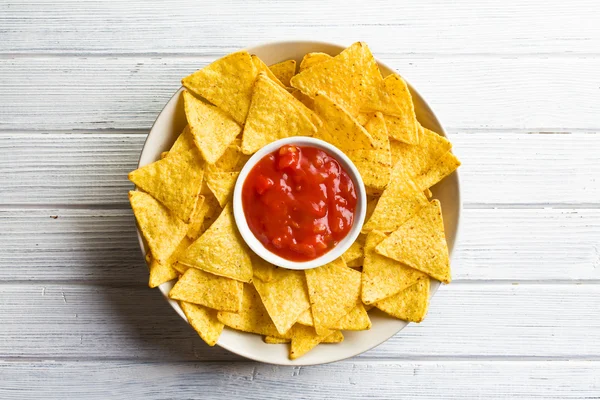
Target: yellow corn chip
{"type": "Point", "coordinates": [227, 83]}
{"type": "Point", "coordinates": [335, 337]}
{"type": "Point", "coordinates": [199, 287]}
{"type": "Point", "coordinates": [221, 184]}
{"type": "Point", "coordinates": [356, 320]}
{"type": "Point", "coordinates": [398, 203]}
{"type": "Point", "coordinates": [334, 290]}
{"type": "Point", "coordinates": [374, 164]}
{"type": "Point", "coordinates": [355, 251]}
{"type": "Point", "coordinates": [212, 129]}
{"type": "Point", "coordinates": [175, 181]}
{"type": "Point", "coordinates": [420, 243]}
{"type": "Point", "coordinates": [275, 340]}
{"type": "Point", "coordinates": [252, 316]}
{"type": "Point", "coordinates": [221, 250]}
{"type": "Point", "coordinates": [311, 59]}
{"type": "Point", "coordinates": [304, 99]}
{"type": "Point", "coordinates": [402, 126]}
{"type": "Point", "coordinates": [162, 230]}
{"type": "Point", "coordinates": [204, 321]}
{"type": "Point", "coordinates": [164, 154]}
{"type": "Point", "coordinates": [263, 270]}
{"type": "Point", "coordinates": [262, 67]}
{"type": "Point", "coordinates": [376, 97]}
{"type": "Point", "coordinates": [363, 117]}
{"type": "Point", "coordinates": [233, 159]}
{"type": "Point", "coordinates": [428, 193]}
{"type": "Point", "coordinates": [305, 338]}
{"type": "Point", "coordinates": [306, 318]}
{"type": "Point", "coordinates": [203, 218]}
{"type": "Point", "coordinates": [340, 128]}
{"type": "Point", "coordinates": [184, 142]}
{"type": "Point", "coordinates": [274, 114]}
{"type": "Point", "coordinates": [383, 277]}
{"type": "Point", "coordinates": [161, 272]}
{"type": "Point", "coordinates": [410, 304]}
{"type": "Point", "coordinates": [441, 169]}
{"type": "Point", "coordinates": [285, 297]}
{"type": "Point", "coordinates": [284, 71]}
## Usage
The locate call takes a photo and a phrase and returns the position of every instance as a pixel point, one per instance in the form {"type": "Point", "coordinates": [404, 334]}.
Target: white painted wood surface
{"type": "Point", "coordinates": [515, 83]}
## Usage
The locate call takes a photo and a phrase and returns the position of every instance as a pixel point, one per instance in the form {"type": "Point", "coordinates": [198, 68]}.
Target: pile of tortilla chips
{"type": "Point", "coordinates": [235, 106]}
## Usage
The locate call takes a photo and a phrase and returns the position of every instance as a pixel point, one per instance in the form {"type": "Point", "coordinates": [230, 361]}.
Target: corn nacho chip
{"type": "Point", "coordinates": [262, 68]}
{"type": "Point", "coordinates": [227, 83]}
{"type": "Point", "coordinates": [161, 229]}
{"type": "Point", "coordinates": [410, 304]}
{"type": "Point", "coordinates": [233, 159]}
{"type": "Point", "coordinates": [313, 58]}
{"type": "Point", "coordinates": [420, 243]}
{"type": "Point", "coordinates": [175, 181]}
{"type": "Point", "coordinates": [184, 142]}
{"type": "Point", "coordinates": [374, 164]}
{"type": "Point", "coordinates": [398, 203]}
{"type": "Point", "coordinates": [284, 71]}
{"type": "Point", "coordinates": [356, 250]}
{"type": "Point", "coordinates": [263, 270]}
{"type": "Point", "coordinates": [252, 316]}
{"type": "Point", "coordinates": [209, 211]}
{"type": "Point", "coordinates": [212, 129]}
{"type": "Point", "coordinates": [305, 338]}
{"type": "Point", "coordinates": [428, 193]}
{"type": "Point", "coordinates": [356, 320]}
{"type": "Point", "coordinates": [274, 114]}
{"type": "Point", "coordinates": [199, 287]}
{"type": "Point", "coordinates": [402, 126]}
{"type": "Point", "coordinates": [221, 184]}
{"type": "Point", "coordinates": [383, 277]}
{"type": "Point", "coordinates": [306, 318]}
{"type": "Point", "coordinates": [441, 169]}
{"type": "Point", "coordinates": [161, 272]}
{"type": "Point", "coordinates": [204, 321]}
{"type": "Point", "coordinates": [220, 250]}
{"type": "Point", "coordinates": [285, 297]}
{"type": "Point", "coordinates": [335, 337]}
{"type": "Point", "coordinates": [304, 99]}
{"type": "Point", "coordinates": [276, 340]}
{"type": "Point", "coordinates": [334, 290]}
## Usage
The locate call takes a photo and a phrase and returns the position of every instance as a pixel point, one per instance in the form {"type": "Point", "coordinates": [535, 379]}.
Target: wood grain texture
{"type": "Point", "coordinates": [433, 26]}
{"type": "Point", "coordinates": [70, 321]}
{"type": "Point", "coordinates": [83, 93]}
{"type": "Point", "coordinates": [344, 380]}
{"type": "Point", "coordinates": [499, 168]}
{"type": "Point", "coordinates": [100, 246]}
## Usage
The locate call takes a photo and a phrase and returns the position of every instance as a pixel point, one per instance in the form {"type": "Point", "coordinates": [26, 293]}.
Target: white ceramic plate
{"type": "Point", "coordinates": [170, 123]}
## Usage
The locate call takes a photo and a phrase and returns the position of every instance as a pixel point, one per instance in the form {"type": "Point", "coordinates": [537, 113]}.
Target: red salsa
{"type": "Point", "coordinates": [299, 202]}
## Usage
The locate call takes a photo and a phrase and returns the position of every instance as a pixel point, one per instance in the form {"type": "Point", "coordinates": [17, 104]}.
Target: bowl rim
{"type": "Point", "coordinates": [303, 361]}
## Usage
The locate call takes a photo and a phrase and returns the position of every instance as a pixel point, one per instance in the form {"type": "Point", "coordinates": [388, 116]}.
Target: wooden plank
{"type": "Point", "coordinates": [381, 380]}
{"type": "Point", "coordinates": [68, 321]}
{"type": "Point", "coordinates": [433, 26]}
{"type": "Point", "coordinates": [100, 246]}
{"type": "Point", "coordinates": [499, 168]}
{"type": "Point", "coordinates": [84, 93]}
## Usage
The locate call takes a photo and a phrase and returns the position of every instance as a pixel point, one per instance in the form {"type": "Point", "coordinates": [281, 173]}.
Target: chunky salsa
{"type": "Point", "coordinates": [299, 202]}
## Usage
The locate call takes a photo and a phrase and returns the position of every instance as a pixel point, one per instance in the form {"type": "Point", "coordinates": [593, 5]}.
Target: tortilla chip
{"type": "Point", "coordinates": [334, 290]}
{"type": "Point", "coordinates": [335, 337]}
{"type": "Point", "coordinates": [227, 83]}
{"type": "Point", "coordinates": [285, 297]}
{"type": "Point", "coordinates": [304, 99]}
{"type": "Point", "coordinates": [398, 203]}
{"type": "Point", "coordinates": [305, 338]}
{"type": "Point", "coordinates": [161, 229]}
{"type": "Point", "coordinates": [212, 129]}
{"type": "Point", "coordinates": [199, 287]}
{"type": "Point", "coordinates": [252, 316]}
{"type": "Point", "coordinates": [221, 184]}
{"type": "Point", "coordinates": [274, 114]}
{"type": "Point", "coordinates": [355, 251]}
{"type": "Point", "coordinates": [441, 169]}
{"type": "Point", "coordinates": [410, 304]}
{"type": "Point", "coordinates": [356, 320]}
{"type": "Point", "coordinates": [184, 142]}
{"type": "Point", "coordinates": [306, 318]}
{"type": "Point", "coordinates": [262, 68]}
{"type": "Point", "coordinates": [311, 59]}
{"type": "Point", "coordinates": [221, 250]}
{"type": "Point", "coordinates": [340, 128]}
{"type": "Point", "coordinates": [164, 154]}
{"type": "Point", "coordinates": [402, 126]}
{"type": "Point", "coordinates": [374, 164]}
{"type": "Point", "coordinates": [363, 117]}
{"type": "Point", "coordinates": [204, 321]}
{"type": "Point", "coordinates": [383, 277]}
{"type": "Point", "coordinates": [377, 97]}
{"type": "Point", "coordinates": [420, 243]}
{"type": "Point", "coordinates": [428, 193]}
{"type": "Point", "coordinates": [175, 181]}
{"type": "Point", "coordinates": [284, 71]}
{"type": "Point", "coordinates": [263, 270]}
{"type": "Point", "coordinates": [203, 218]}
{"type": "Point", "coordinates": [275, 340]}
{"type": "Point", "coordinates": [233, 159]}
{"type": "Point", "coordinates": [161, 272]}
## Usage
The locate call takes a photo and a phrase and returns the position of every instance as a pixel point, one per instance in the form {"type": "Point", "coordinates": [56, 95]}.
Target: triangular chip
{"type": "Point", "coordinates": [207, 213]}
{"type": "Point", "coordinates": [262, 67]}
{"type": "Point", "coordinates": [199, 287]}
{"type": "Point", "coordinates": [383, 277]}
{"type": "Point", "coordinates": [161, 272]}
{"type": "Point", "coordinates": [410, 304]}
{"type": "Point", "coordinates": [398, 203]}
{"type": "Point", "coordinates": [212, 129]}
{"type": "Point", "coordinates": [285, 297]}
{"type": "Point", "coordinates": [184, 142]}
{"type": "Point", "coordinates": [305, 338]}
{"type": "Point", "coordinates": [204, 321]}
{"type": "Point", "coordinates": [377, 98]}
{"type": "Point", "coordinates": [306, 318]}
{"type": "Point", "coordinates": [402, 126]}
{"type": "Point", "coordinates": [233, 159]}
{"type": "Point", "coordinates": [221, 250]}
{"type": "Point", "coordinates": [175, 181]}
{"type": "Point", "coordinates": [221, 184]}
{"type": "Point", "coordinates": [420, 243]}
{"type": "Point", "coordinates": [252, 316]}
{"type": "Point", "coordinates": [374, 164]}
{"type": "Point", "coordinates": [274, 114]}
{"type": "Point", "coordinates": [313, 58]}
{"type": "Point", "coordinates": [441, 169]}
{"type": "Point", "coordinates": [334, 290]}
{"type": "Point", "coordinates": [263, 270]}
{"type": "Point", "coordinates": [304, 99]}
{"type": "Point", "coordinates": [276, 340]}
{"type": "Point", "coordinates": [340, 128]}
{"type": "Point", "coordinates": [227, 83]}
{"type": "Point", "coordinates": [162, 230]}
{"type": "Point", "coordinates": [284, 71]}
{"type": "Point", "coordinates": [356, 320]}
{"type": "Point", "coordinates": [355, 251]}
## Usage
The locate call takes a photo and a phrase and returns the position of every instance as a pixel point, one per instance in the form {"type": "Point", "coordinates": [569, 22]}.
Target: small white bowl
{"type": "Point", "coordinates": [342, 246]}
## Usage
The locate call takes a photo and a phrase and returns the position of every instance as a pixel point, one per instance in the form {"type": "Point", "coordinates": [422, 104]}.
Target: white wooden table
{"type": "Point", "coordinates": [517, 85]}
